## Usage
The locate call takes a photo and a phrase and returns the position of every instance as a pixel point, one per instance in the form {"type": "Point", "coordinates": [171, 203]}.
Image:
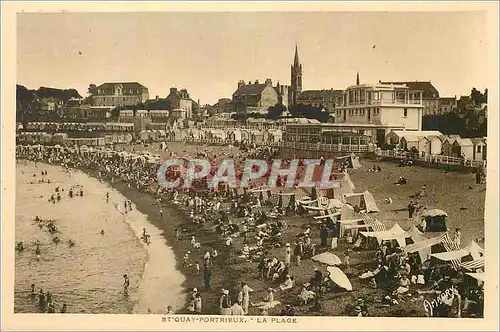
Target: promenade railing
{"type": "Point", "coordinates": [441, 159]}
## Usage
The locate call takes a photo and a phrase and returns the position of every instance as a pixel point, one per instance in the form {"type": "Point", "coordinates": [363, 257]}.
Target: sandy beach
{"type": "Point", "coordinates": [464, 204]}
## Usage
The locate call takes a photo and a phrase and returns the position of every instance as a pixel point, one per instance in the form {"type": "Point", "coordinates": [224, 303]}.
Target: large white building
{"type": "Point", "coordinates": [384, 107]}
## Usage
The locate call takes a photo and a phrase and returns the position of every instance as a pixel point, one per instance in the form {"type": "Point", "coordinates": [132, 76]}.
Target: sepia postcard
{"type": "Point", "coordinates": [299, 165]}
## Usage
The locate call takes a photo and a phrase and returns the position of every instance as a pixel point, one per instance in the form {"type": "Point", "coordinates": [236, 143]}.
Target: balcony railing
{"type": "Point", "coordinates": [432, 158]}
{"type": "Point", "coordinates": [369, 103]}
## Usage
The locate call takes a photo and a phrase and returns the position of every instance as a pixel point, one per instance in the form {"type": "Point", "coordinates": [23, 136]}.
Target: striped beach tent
{"type": "Point", "coordinates": [451, 245]}
{"type": "Point", "coordinates": [376, 225]}
{"type": "Point", "coordinates": [473, 265]}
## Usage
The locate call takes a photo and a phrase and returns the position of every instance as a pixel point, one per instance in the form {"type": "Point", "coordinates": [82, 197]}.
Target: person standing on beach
{"type": "Point", "coordinates": [225, 303]}
{"type": "Point", "coordinates": [161, 214]}
{"type": "Point", "coordinates": [107, 197]}
{"type": "Point", "coordinates": [126, 284]}
{"type": "Point", "coordinates": [244, 297]}
{"type": "Point", "coordinates": [411, 209]}
{"type": "Point", "coordinates": [298, 251]}
{"type": "Point", "coordinates": [207, 274]}
{"type": "Point", "coordinates": [288, 255]}
{"type": "Point", "coordinates": [197, 303]}
{"type": "Point", "coordinates": [41, 301]}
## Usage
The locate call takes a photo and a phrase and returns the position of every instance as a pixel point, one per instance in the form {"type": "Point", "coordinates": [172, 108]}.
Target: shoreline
{"type": "Point", "coordinates": [174, 217]}
{"type": "Point", "coordinates": [229, 270]}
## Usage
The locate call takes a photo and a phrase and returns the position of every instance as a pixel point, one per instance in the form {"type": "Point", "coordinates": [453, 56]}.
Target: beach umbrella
{"type": "Point", "coordinates": [327, 258]}
{"type": "Point", "coordinates": [339, 278]}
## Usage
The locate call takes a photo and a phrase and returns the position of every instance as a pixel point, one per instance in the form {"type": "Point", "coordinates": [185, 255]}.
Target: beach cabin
{"type": "Point", "coordinates": [447, 146]}
{"type": "Point", "coordinates": [436, 145]}
{"type": "Point", "coordinates": [275, 136]}
{"type": "Point", "coordinates": [430, 145]}
{"type": "Point", "coordinates": [424, 146]}
{"type": "Point", "coordinates": [408, 142]}
{"type": "Point", "coordinates": [394, 137]}
{"type": "Point", "coordinates": [462, 148]}
{"type": "Point", "coordinates": [234, 136]}
{"type": "Point", "coordinates": [435, 220]}
{"type": "Point", "coordinates": [245, 135]}
{"type": "Point", "coordinates": [479, 153]}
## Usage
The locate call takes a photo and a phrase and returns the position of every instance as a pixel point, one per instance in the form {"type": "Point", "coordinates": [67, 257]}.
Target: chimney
{"type": "Point", "coordinates": [241, 83]}
{"type": "Point", "coordinates": [249, 82]}
{"type": "Point", "coordinates": [173, 90]}
{"type": "Point", "coordinates": [157, 97]}
{"type": "Point", "coordinates": [269, 82]}
{"type": "Point", "coordinates": [256, 81]}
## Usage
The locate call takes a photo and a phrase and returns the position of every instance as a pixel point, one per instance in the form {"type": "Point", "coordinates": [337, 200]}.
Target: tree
{"type": "Point", "coordinates": [92, 89]}
{"type": "Point", "coordinates": [160, 104]}
{"type": "Point", "coordinates": [276, 111]}
{"type": "Point", "coordinates": [477, 97]}
{"type": "Point", "coordinates": [310, 112]}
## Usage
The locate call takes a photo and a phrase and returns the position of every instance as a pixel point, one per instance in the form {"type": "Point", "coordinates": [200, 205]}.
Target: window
{"type": "Point", "coordinates": [479, 149]}
{"type": "Point", "coordinates": [405, 112]}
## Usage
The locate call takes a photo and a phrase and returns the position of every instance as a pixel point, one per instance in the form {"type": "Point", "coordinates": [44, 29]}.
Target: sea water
{"type": "Point", "coordinates": [88, 277]}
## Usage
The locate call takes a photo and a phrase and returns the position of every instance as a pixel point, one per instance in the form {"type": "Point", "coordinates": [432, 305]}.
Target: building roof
{"type": "Point", "coordinates": [127, 86]}
{"type": "Point", "coordinates": [477, 141]}
{"type": "Point", "coordinates": [463, 141]}
{"type": "Point", "coordinates": [250, 89]}
{"type": "Point", "coordinates": [421, 133]}
{"type": "Point", "coordinates": [428, 90]}
{"type": "Point", "coordinates": [299, 121]}
{"type": "Point", "coordinates": [319, 94]}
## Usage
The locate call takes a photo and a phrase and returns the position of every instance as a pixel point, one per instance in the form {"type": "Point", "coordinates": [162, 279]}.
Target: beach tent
{"type": "Point", "coordinates": [472, 249]}
{"type": "Point", "coordinates": [477, 264]}
{"type": "Point", "coordinates": [395, 233]}
{"type": "Point", "coordinates": [365, 198]}
{"type": "Point", "coordinates": [415, 234]}
{"type": "Point", "coordinates": [327, 258]}
{"type": "Point", "coordinates": [435, 220]}
{"type": "Point", "coordinates": [352, 160]}
{"type": "Point", "coordinates": [339, 278]}
{"type": "Point", "coordinates": [346, 184]}
{"type": "Point", "coordinates": [424, 247]}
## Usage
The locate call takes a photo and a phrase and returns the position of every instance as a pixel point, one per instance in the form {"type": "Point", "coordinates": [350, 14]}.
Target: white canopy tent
{"type": "Point", "coordinates": [472, 249]}
{"type": "Point", "coordinates": [394, 233]}
{"type": "Point", "coordinates": [423, 247]}
{"type": "Point", "coordinates": [365, 197]}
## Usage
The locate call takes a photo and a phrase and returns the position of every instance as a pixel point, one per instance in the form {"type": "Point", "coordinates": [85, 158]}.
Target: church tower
{"type": "Point", "coordinates": [296, 78]}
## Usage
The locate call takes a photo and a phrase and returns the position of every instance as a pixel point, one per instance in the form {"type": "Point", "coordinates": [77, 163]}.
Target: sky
{"type": "Point", "coordinates": [207, 53]}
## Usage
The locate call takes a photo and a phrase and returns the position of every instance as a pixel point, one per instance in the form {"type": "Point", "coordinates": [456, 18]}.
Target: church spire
{"type": "Point", "coordinates": [357, 78]}
{"type": "Point", "coordinates": [296, 58]}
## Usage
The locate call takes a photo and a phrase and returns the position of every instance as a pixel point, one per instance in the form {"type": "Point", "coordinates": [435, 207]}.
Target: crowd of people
{"type": "Point", "coordinates": [251, 226]}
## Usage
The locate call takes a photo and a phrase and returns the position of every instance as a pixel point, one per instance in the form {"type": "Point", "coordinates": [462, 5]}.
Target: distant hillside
{"type": "Point", "coordinates": [45, 92]}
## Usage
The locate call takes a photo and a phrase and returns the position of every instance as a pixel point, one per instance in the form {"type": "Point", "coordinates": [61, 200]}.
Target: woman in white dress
{"type": "Point", "coordinates": [288, 254]}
